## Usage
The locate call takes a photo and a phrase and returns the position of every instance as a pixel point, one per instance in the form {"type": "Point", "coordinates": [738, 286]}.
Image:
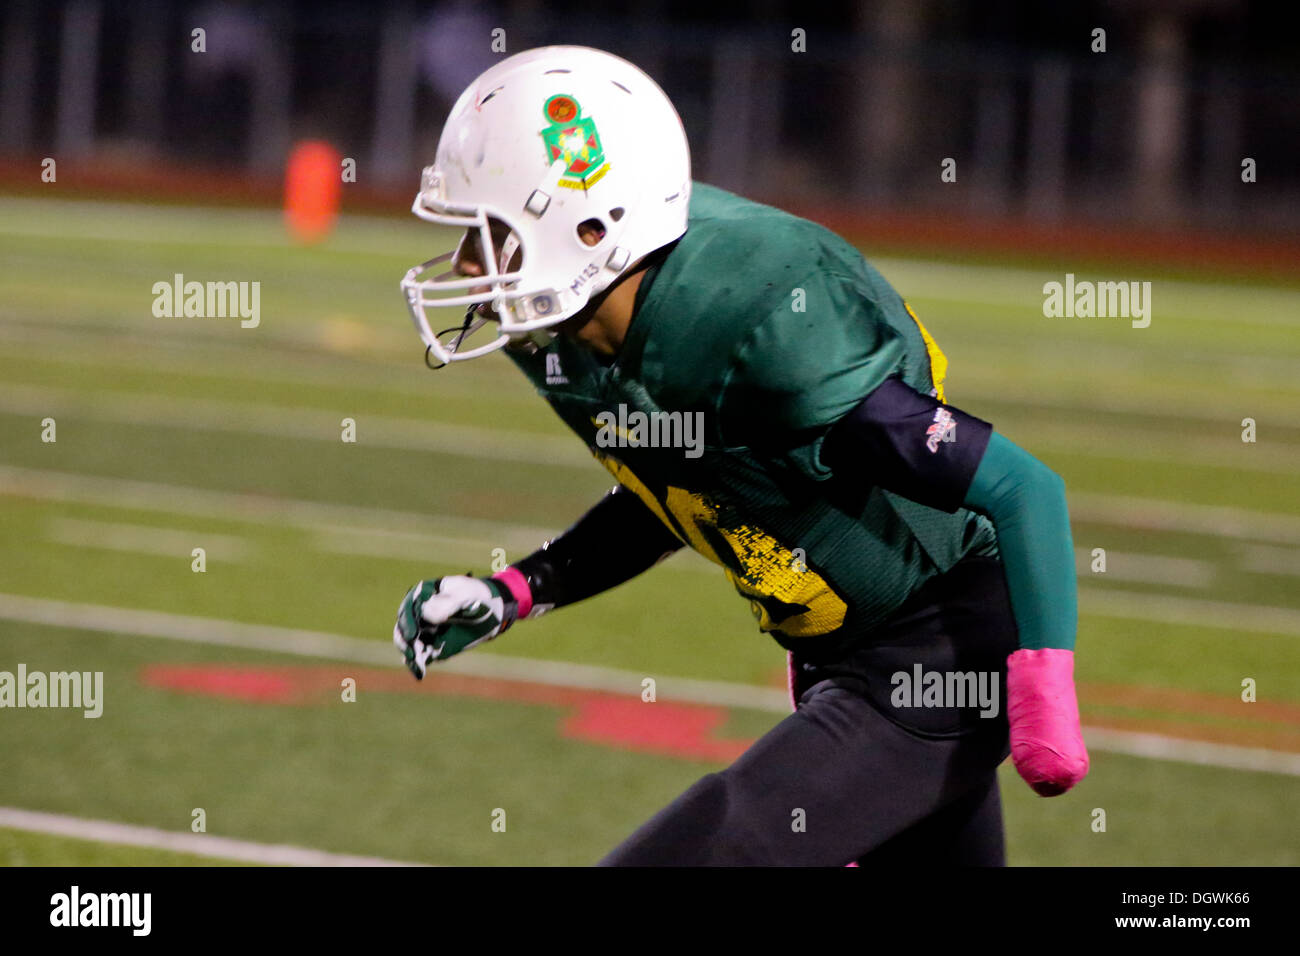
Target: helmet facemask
{"type": "Point", "coordinates": [520, 307]}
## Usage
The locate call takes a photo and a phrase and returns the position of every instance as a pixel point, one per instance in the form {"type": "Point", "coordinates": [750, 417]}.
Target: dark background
{"type": "Point", "coordinates": [1152, 131]}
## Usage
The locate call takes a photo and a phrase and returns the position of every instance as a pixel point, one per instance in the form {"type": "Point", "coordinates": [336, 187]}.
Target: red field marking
{"type": "Point", "coordinates": [1274, 725]}
{"type": "Point", "coordinates": [685, 731]}
{"type": "Point", "coordinates": [1190, 702]}
{"type": "Point", "coordinates": [241, 684]}
{"type": "Point", "coordinates": [689, 731]}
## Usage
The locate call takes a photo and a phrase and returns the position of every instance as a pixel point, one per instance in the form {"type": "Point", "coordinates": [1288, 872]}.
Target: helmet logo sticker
{"type": "Point", "coordinates": [573, 138]}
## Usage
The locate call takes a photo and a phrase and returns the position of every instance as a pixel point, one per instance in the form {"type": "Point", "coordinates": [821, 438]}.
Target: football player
{"type": "Point", "coordinates": [901, 550]}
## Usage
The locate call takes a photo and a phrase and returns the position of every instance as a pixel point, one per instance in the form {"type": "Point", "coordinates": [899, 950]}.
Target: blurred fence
{"type": "Point", "coordinates": [863, 105]}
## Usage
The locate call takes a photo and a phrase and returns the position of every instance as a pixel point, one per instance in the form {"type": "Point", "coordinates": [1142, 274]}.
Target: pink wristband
{"type": "Point", "coordinates": [517, 585]}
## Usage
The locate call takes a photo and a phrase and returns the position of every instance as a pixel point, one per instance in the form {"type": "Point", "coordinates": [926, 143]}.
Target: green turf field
{"type": "Point", "coordinates": [183, 433]}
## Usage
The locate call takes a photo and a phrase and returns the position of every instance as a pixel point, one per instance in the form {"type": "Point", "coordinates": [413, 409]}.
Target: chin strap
{"type": "Point", "coordinates": [473, 321]}
{"type": "Point", "coordinates": [467, 327]}
{"type": "Point", "coordinates": [508, 250]}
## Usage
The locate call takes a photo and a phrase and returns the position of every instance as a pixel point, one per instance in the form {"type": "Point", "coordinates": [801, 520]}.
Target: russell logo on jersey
{"type": "Point", "coordinates": [554, 374]}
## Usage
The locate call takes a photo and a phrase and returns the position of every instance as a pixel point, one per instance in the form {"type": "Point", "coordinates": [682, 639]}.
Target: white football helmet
{"type": "Point", "coordinates": [545, 141]}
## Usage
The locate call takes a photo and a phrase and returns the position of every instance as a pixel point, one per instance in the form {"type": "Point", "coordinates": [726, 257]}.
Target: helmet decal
{"type": "Point", "coordinates": [561, 109]}
{"type": "Point", "coordinates": [573, 138]}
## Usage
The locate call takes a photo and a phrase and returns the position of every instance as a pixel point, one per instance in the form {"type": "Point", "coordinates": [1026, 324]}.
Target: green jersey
{"type": "Point", "coordinates": [755, 334]}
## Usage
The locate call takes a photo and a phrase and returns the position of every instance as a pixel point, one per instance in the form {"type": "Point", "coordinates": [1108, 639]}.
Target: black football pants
{"type": "Point", "coordinates": [859, 772]}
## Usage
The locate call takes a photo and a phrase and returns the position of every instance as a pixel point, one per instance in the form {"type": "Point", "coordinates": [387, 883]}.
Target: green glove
{"type": "Point", "coordinates": [445, 616]}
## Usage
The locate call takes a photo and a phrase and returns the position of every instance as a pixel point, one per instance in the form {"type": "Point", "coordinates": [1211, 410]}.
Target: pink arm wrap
{"type": "Point", "coordinates": [1046, 743]}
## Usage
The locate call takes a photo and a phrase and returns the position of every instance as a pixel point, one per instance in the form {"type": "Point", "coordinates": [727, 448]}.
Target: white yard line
{"type": "Point", "coordinates": [1191, 612]}
{"type": "Point", "coordinates": [402, 545]}
{"type": "Point", "coordinates": [305, 643]}
{"type": "Point", "coordinates": [1159, 747]}
{"type": "Point", "coordinates": [288, 421]}
{"type": "Point", "coordinates": [126, 493]}
{"type": "Point", "coordinates": [1181, 407]}
{"type": "Point", "coordinates": [48, 485]}
{"type": "Point", "coordinates": [1010, 287]}
{"type": "Point", "coordinates": [347, 523]}
{"type": "Point", "coordinates": [200, 844]}
{"type": "Point", "coordinates": [118, 222]}
{"type": "Point", "coordinates": [371, 373]}
{"type": "Point", "coordinates": [557, 450]}
{"type": "Point", "coordinates": [1153, 514]}
{"type": "Point", "coordinates": [415, 546]}
{"type": "Point", "coordinates": [218, 360]}
{"type": "Point", "coordinates": [88, 618]}
{"type": "Point", "coordinates": [918, 279]}
{"type": "Point", "coordinates": [1135, 445]}
{"type": "Point", "coordinates": [345, 529]}
{"type": "Point", "coordinates": [171, 543]}
{"type": "Point", "coordinates": [1262, 559]}
{"type": "Point", "coordinates": [143, 539]}
{"type": "Point", "coordinates": [1146, 568]}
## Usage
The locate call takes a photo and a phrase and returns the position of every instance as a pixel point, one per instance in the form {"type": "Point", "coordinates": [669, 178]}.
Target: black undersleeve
{"type": "Point", "coordinates": [613, 542]}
